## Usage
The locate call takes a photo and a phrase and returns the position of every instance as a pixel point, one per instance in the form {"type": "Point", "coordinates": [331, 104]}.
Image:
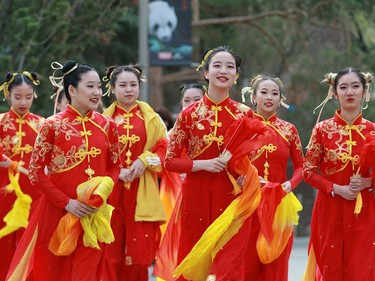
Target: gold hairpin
{"type": "Point", "coordinates": [204, 59]}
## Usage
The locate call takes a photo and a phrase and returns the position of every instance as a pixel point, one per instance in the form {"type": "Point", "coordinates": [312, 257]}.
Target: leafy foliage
{"type": "Point", "coordinates": [298, 41]}
{"type": "Point", "coordinates": [36, 33]}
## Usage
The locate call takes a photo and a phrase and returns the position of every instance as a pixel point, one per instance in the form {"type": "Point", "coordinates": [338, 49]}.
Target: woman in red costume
{"type": "Point", "coordinates": [138, 208]}
{"type": "Point", "coordinates": [191, 93]}
{"type": "Point", "coordinates": [342, 243]}
{"type": "Point", "coordinates": [271, 160]}
{"type": "Point", "coordinates": [77, 146]}
{"type": "Point", "coordinates": [207, 190]}
{"type": "Point", "coordinates": [18, 130]}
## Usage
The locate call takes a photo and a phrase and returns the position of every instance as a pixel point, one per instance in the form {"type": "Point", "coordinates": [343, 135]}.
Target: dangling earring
{"type": "Point", "coordinates": [235, 81]}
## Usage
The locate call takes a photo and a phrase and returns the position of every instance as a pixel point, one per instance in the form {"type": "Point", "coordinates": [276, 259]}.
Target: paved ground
{"type": "Point", "coordinates": [297, 262]}
{"type": "Point", "coordinates": [298, 258]}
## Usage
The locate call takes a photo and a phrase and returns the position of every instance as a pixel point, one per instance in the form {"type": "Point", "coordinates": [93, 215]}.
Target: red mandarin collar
{"type": "Point", "coordinates": [72, 111]}
{"type": "Point", "coordinates": [14, 114]}
{"type": "Point", "coordinates": [207, 100]}
{"type": "Point", "coordinates": [123, 110]}
{"type": "Point", "coordinates": [272, 118]}
{"type": "Point", "coordinates": [338, 119]}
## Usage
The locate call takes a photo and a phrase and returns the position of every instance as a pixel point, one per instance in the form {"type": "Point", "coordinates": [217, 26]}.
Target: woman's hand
{"type": "Point", "coordinates": [214, 165]}
{"type": "Point", "coordinates": [359, 183]}
{"type": "Point", "coordinates": [136, 169]}
{"type": "Point", "coordinates": [4, 161]}
{"type": "Point", "coordinates": [79, 209]}
{"type": "Point", "coordinates": [125, 175]}
{"type": "Point", "coordinates": [287, 186]}
{"type": "Point", "coordinates": [183, 176]}
{"type": "Point", "coordinates": [262, 180]}
{"type": "Point", "coordinates": [345, 191]}
{"type": "Point", "coordinates": [241, 180]}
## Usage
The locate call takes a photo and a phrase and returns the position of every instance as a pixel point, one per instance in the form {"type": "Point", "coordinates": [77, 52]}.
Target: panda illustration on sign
{"type": "Point", "coordinates": [162, 20]}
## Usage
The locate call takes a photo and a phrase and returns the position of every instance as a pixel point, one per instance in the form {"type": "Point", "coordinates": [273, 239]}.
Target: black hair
{"type": "Point", "coordinates": [114, 71]}
{"type": "Point", "coordinates": [166, 115]}
{"type": "Point", "coordinates": [72, 75]}
{"type": "Point", "coordinates": [60, 97]}
{"type": "Point", "coordinates": [216, 50]}
{"type": "Point", "coordinates": [347, 70]}
{"type": "Point", "coordinates": [188, 86]}
{"type": "Point", "coordinates": [19, 79]}
{"type": "Point", "coordinates": [260, 78]}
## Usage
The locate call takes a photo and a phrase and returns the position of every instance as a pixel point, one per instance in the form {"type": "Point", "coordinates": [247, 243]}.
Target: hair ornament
{"type": "Point", "coordinates": [250, 89]}
{"type": "Point", "coordinates": [5, 86]}
{"type": "Point", "coordinates": [107, 78]}
{"type": "Point", "coordinates": [204, 59]}
{"type": "Point", "coordinates": [143, 78]}
{"type": "Point", "coordinates": [330, 80]}
{"type": "Point", "coordinates": [32, 78]}
{"type": "Point", "coordinates": [283, 103]}
{"type": "Point", "coordinates": [283, 98]}
{"type": "Point", "coordinates": [244, 91]}
{"type": "Point", "coordinates": [57, 81]}
{"type": "Point", "coordinates": [368, 87]}
{"type": "Point", "coordinates": [139, 72]}
{"type": "Point", "coordinates": [136, 70]}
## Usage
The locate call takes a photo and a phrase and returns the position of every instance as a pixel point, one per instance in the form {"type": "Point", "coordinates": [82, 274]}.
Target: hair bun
{"type": "Point", "coordinates": [330, 78]}
{"type": "Point", "coordinates": [368, 77]}
{"type": "Point", "coordinates": [137, 67]}
{"type": "Point", "coordinates": [8, 76]}
{"type": "Point", "coordinates": [68, 66]}
{"type": "Point", "coordinates": [110, 71]}
{"type": "Point", "coordinates": [182, 87]}
{"type": "Point", "coordinates": [254, 80]}
{"type": "Point", "coordinates": [34, 76]}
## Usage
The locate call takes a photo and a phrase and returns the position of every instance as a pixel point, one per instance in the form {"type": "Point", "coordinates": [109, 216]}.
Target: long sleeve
{"type": "Point", "coordinates": [314, 155]}
{"type": "Point", "coordinates": [296, 154]}
{"type": "Point", "coordinates": [113, 157]}
{"type": "Point", "coordinates": [39, 159]}
{"type": "Point", "coordinates": [178, 139]}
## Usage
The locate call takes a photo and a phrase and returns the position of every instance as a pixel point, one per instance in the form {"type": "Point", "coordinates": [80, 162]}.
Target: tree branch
{"type": "Point", "coordinates": [273, 41]}
{"type": "Point", "coordinates": [293, 13]}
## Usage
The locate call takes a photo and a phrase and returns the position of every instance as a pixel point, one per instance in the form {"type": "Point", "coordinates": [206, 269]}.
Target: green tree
{"type": "Point", "coordinates": [36, 33]}
{"type": "Point", "coordinates": [297, 40]}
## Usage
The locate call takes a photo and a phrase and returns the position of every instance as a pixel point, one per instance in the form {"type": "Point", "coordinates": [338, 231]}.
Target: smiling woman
{"type": "Point", "coordinates": [266, 94]}
{"type": "Point", "coordinates": [82, 86]}
{"type": "Point", "coordinates": [196, 141]}
{"type": "Point", "coordinates": [78, 148]}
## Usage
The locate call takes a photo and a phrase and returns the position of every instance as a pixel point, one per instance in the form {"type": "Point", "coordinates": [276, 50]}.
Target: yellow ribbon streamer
{"type": "Point", "coordinates": [18, 216]}
{"type": "Point", "coordinates": [286, 216]}
{"type": "Point", "coordinates": [197, 263]}
{"type": "Point", "coordinates": [96, 226]}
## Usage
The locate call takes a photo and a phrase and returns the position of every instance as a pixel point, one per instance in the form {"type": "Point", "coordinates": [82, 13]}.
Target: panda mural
{"type": "Point", "coordinates": [162, 20]}
{"type": "Point", "coordinates": [169, 25]}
